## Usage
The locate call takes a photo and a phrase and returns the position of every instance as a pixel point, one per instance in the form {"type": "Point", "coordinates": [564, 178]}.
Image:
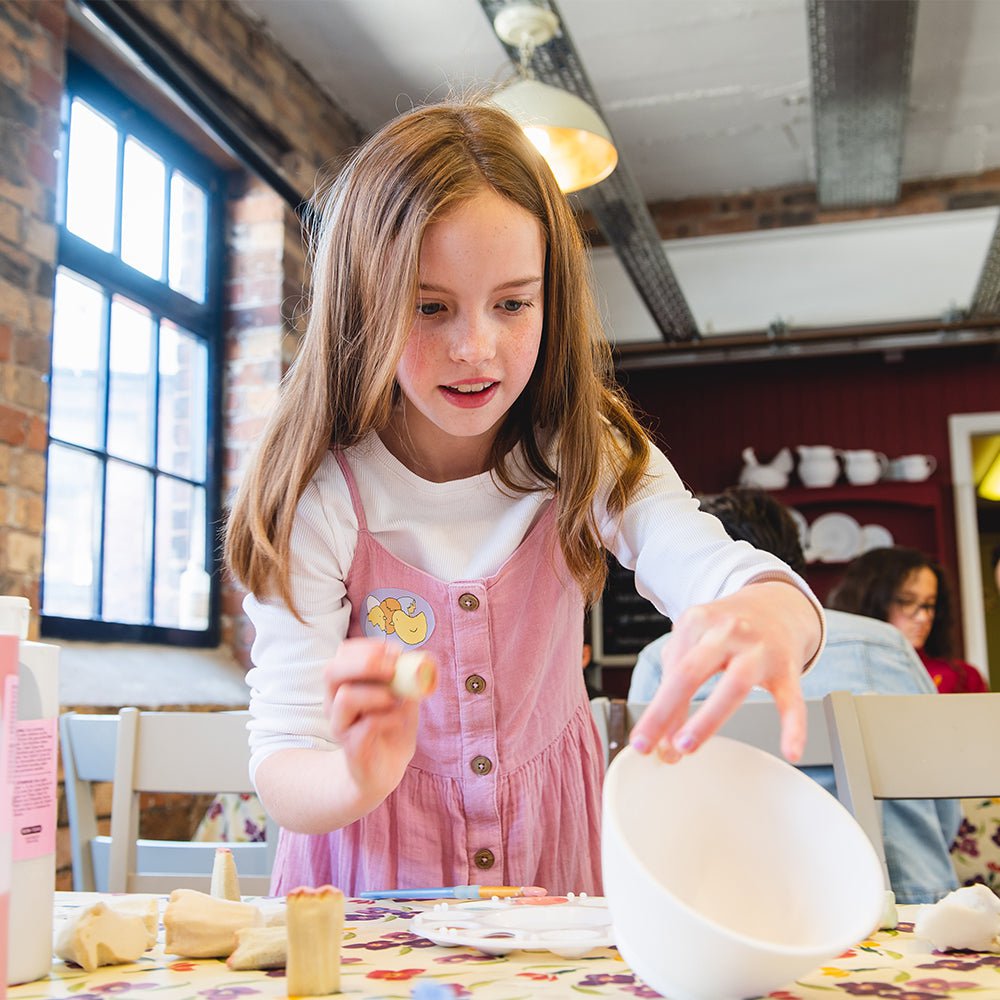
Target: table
{"type": "Point", "coordinates": [382, 957]}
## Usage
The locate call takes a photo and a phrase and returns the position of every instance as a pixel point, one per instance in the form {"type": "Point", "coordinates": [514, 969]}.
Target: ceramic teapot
{"type": "Point", "coordinates": [818, 465]}
{"type": "Point", "coordinates": [863, 466]}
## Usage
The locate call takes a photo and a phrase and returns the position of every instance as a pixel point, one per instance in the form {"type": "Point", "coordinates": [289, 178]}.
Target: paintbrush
{"type": "Point", "coordinates": [457, 892]}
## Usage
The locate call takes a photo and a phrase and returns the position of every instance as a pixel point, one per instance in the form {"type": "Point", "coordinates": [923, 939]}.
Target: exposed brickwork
{"type": "Point", "coordinates": [796, 206]}
{"type": "Point", "coordinates": [32, 43]}
{"type": "Point", "coordinates": [301, 128]}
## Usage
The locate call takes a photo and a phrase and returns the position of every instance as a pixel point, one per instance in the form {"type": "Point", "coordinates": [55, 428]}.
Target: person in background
{"type": "Point", "coordinates": [862, 656]}
{"type": "Point", "coordinates": [449, 461]}
{"type": "Point", "coordinates": [903, 587]}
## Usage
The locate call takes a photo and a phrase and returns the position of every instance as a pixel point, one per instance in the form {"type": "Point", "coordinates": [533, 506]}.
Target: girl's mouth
{"type": "Point", "coordinates": [470, 394]}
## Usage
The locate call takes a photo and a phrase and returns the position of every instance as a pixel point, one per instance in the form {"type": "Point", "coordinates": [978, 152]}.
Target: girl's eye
{"type": "Point", "coordinates": [429, 308]}
{"type": "Point", "coordinates": [514, 305]}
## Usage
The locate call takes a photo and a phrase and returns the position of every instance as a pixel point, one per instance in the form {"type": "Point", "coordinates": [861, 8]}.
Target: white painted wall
{"type": "Point", "coordinates": [840, 274]}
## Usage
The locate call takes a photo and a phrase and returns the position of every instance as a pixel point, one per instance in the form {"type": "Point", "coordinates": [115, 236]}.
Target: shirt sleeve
{"type": "Point", "coordinates": [681, 555]}
{"type": "Point", "coordinates": [288, 655]}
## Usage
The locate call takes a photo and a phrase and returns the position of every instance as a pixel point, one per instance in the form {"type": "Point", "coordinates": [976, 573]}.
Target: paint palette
{"type": "Point", "coordinates": [568, 929]}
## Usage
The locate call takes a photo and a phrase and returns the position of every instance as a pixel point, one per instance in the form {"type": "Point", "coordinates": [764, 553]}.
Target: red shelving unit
{"type": "Point", "coordinates": [912, 512]}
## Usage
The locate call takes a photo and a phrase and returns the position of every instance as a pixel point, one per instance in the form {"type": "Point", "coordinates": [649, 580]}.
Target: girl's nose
{"type": "Point", "coordinates": [473, 341]}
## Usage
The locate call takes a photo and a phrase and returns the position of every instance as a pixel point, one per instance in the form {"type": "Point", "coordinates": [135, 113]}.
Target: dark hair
{"type": "Point", "coordinates": [872, 580]}
{"type": "Point", "coordinates": [995, 557]}
{"type": "Point", "coordinates": [754, 516]}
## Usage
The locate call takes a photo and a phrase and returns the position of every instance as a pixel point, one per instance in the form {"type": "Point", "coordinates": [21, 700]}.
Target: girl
{"type": "Point", "coordinates": [447, 464]}
{"type": "Point", "coordinates": [906, 589]}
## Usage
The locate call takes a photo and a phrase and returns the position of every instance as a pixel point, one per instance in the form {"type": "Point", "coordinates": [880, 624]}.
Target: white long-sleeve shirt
{"type": "Point", "coordinates": [458, 530]}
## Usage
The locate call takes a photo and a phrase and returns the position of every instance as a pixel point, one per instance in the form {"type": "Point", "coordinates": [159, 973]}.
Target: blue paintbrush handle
{"type": "Point", "coordinates": [452, 892]}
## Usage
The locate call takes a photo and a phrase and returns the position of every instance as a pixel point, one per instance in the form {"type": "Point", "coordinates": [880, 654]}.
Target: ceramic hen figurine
{"type": "Point", "coordinates": [771, 476]}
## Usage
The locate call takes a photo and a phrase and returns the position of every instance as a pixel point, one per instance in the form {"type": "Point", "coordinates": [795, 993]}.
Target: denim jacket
{"type": "Point", "coordinates": [864, 656]}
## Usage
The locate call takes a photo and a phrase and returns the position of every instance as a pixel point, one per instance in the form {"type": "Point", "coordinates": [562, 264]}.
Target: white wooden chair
{"type": "Point", "coordinates": [189, 752]}
{"type": "Point", "coordinates": [911, 747]}
{"type": "Point", "coordinates": [754, 722]}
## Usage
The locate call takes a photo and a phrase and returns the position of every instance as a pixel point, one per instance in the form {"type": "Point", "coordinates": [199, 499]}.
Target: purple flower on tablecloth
{"type": "Point", "coordinates": [608, 979]}
{"type": "Point", "coordinates": [957, 962]}
{"type": "Point", "coordinates": [397, 939]}
{"type": "Point", "coordinates": [941, 985]}
{"type": "Point", "coordinates": [644, 991]}
{"type": "Point", "coordinates": [464, 956]}
{"type": "Point", "coordinates": [870, 989]}
{"type": "Point", "coordinates": [112, 988]}
{"type": "Point", "coordinates": [376, 913]}
{"type": "Point", "coordinates": [227, 992]}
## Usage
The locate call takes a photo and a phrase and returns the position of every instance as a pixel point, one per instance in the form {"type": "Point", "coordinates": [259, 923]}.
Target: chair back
{"type": "Point", "coordinates": [912, 746]}
{"type": "Point", "coordinates": [754, 722]}
{"type": "Point", "coordinates": [186, 752]}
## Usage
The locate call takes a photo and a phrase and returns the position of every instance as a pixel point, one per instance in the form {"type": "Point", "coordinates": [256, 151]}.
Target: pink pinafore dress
{"type": "Point", "coordinates": [504, 787]}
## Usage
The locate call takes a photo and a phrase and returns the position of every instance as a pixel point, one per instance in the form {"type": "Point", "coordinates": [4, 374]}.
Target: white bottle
{"type": "Point", "coordinates": [195, 592]}
{"type": "Point", "coordinates": [33, 872]}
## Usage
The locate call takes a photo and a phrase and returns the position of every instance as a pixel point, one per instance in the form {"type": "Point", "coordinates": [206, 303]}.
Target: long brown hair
{"type": "Point", "coordinates": [365, 257]}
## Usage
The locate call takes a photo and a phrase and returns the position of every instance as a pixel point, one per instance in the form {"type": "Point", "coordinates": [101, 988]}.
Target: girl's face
{"type": "Point", "coordinates": [912, 607]}
{"type": "Point", "coordinates": [474, 339]}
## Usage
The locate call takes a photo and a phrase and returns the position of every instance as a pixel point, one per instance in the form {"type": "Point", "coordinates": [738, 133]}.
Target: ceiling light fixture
{"type": "Point", "coordinates": [566, 130]}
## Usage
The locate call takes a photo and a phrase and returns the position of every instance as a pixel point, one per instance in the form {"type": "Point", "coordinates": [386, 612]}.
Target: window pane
{"type": "Point", "coordinates": [126, 543]}
{"type": "Point", "coordinates": [132, 387]}
{"type": "Point", "coordinates": [143, 187]}
{"type": "Point", "coordinates": [76, 408]}
{"type": "Point", "coordinates": [188, 228]}
{"type": "Point", "coordinates": [71, 512]}
{"type": "Point", "coordinates": [91, 176]}
{"type": "Point", "coordinates": [180, 536]}
{"type": "Point", "coordinates": [183, 403]}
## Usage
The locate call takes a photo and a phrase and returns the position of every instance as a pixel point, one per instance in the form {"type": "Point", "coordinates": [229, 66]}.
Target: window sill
{"type": "Point", "coordinates": [107, 676]}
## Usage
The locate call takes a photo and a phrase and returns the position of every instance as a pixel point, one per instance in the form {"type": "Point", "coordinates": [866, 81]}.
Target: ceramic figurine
{"type": "Point", "coordinates": [770, 476]}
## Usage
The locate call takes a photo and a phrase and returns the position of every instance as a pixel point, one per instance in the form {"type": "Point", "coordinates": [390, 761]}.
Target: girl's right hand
{"type": "Point", "coordinates": [376, 730]}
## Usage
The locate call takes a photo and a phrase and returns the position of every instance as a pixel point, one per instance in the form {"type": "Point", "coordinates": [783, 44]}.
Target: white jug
{"type": "Point", "coordinates": [912, 468]}
{"type": "Point", "coordinates": [818, 465]}
{"type": "Point", "coordinates": [864, 466]}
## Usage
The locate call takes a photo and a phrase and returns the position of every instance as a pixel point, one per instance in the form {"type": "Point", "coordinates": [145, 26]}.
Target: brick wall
{"type": "Point", "coordinates": [32, 61]}
{"type": "Point", "coordinates": [264, 250]}
{"type": "Point", "coordinates": [796, 206]}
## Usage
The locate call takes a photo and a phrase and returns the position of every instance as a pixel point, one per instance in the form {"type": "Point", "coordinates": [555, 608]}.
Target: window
{"type": "Point", "coordinates": [132, 494]}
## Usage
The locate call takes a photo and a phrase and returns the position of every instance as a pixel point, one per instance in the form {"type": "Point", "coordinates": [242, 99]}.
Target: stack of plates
{"type": "Point", "coordinates": [837, 537]}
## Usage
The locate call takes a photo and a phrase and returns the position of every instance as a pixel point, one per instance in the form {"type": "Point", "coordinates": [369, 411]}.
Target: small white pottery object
{"type": "Point", "coordinates": [912, 468]}
{"type": "Point", "coordinates": [772, 476]}
{"type": "Point", "coordinates": [864, 466]}
{"type": "Point", "coordinates": [818, 465]}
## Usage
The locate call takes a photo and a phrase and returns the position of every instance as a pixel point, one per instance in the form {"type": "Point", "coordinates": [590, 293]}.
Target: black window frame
{"type": "Point", "coordinates": [203, 320]}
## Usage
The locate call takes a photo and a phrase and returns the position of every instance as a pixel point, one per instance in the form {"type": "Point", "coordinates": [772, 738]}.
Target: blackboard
{"type": "Point", "coordinates": [623, 622]}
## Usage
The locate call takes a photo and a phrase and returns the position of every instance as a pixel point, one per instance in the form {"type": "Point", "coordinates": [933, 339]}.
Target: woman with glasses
{"type": "Point", "coordinates": [905, 588]}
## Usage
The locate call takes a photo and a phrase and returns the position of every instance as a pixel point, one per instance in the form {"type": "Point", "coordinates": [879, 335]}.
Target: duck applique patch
{"type": "Point", "coordinates": [397, 614]}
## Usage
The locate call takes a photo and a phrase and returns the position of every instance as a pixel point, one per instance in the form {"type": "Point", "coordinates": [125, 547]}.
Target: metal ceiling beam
{"type": "Point", "coordinates": [861, 53]}
{"type": "Point", "coordinates": [986, 298]}
{"type": "Point", "coordinates": [616, 203]}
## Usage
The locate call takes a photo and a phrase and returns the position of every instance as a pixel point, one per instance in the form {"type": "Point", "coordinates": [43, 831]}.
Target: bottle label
{"type": "Point", "coordinates": [34, 788]}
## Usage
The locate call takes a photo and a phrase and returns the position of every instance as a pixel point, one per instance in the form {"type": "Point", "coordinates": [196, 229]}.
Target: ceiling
{"type": "Point", "coordinates": [703, 97]}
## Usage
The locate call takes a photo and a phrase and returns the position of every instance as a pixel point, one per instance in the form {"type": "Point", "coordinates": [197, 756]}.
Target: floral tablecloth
{"type": "Point", "coordinates": [382, 957]}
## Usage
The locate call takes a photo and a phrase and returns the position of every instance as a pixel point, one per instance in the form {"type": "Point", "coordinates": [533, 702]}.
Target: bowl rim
{"type": "Point", "coordinates": [866, 928]}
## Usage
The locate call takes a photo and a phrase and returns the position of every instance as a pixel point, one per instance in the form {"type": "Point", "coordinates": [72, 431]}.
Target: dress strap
{"type": "Point", "coordinates": [352, 488]}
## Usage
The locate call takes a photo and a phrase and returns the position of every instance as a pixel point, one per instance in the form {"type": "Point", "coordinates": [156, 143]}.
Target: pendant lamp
{"type": "Point", "coordinates": [566, 130]}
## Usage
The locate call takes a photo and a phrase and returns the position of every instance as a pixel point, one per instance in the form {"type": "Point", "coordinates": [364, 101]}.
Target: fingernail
{"type": "Point", "coordinates": [684, 742]}
{"type": "Point", "coordinates": [639, 744]}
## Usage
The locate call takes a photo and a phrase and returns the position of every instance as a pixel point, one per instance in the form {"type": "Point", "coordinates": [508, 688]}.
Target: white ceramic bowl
{"type": "Point", "coordinates": [731, 873]}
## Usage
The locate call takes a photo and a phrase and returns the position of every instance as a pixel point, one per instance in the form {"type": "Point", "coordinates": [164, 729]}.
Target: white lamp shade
{"type": "Point", "coordinates": [568, 132]}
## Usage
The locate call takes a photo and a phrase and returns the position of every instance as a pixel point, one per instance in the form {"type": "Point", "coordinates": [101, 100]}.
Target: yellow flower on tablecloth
{"type": "Point", "coordinates": [829, 970]}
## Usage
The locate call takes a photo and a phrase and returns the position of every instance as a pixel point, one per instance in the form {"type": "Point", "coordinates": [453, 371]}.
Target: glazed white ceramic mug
{"type": "Point", "coordinates": [913, 468]}
{"type": "Point", "coordinates": [863, 466]}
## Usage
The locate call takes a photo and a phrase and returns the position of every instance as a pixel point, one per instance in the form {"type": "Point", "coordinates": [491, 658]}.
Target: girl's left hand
{"type": "Point", "coordinates": [761, 636]}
